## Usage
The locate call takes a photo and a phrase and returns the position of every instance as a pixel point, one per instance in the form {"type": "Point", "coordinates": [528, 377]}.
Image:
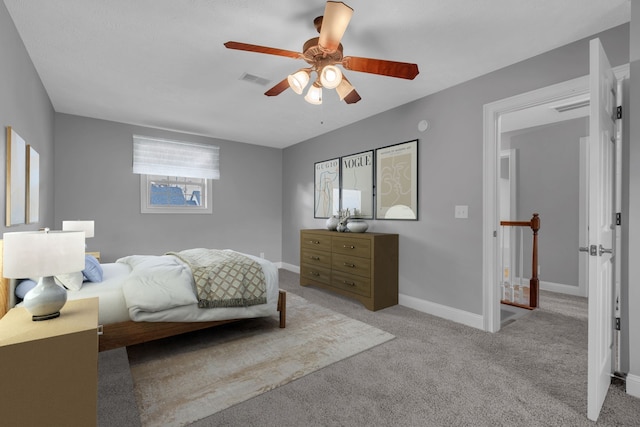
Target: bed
{"type": "Point", "coordinates": [126, 319]}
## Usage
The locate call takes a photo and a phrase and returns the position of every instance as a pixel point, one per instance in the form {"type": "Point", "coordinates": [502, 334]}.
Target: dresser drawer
{"type": "Point", "coordinates": [352, 246]}
{"type": "Point", "coordinates": [349, 282]}
{"type": "Point", "coordinates": [352, 265]}
{"type": "Point", "coordinates": [315, 273]}
{"type": "Point", "coordinates": [316, 258]}
{"type": "Point", "coordinates": [315, 242]}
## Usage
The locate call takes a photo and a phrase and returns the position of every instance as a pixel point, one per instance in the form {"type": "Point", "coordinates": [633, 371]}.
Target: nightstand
{"type": "Point", "coordinates": [96, 255]}
{"type": "Point", "coordinates": [50, 367]}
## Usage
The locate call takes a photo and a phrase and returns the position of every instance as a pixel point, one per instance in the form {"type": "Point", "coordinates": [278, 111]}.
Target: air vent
{"type": "Point", "coordinates": [571, 106]}
{"type": "Point", "coordinates": [254, 79]}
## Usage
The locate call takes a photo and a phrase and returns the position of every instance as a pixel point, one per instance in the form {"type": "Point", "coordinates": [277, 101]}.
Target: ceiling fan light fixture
{"type": "Point", "coordinates": [298, 80]}
{"type": "Point", "coordinates": [314, 95]}
{"type": "Point", "coordinates": [330, 76]}
{"type": "Point", "coordinates": [344, 88]}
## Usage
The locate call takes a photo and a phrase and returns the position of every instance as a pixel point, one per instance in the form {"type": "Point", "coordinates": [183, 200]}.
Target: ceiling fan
{"type": "Point", "coordinates": [323, 54]}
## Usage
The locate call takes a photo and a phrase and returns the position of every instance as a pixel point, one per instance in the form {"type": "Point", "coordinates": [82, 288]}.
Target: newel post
{"type": "Point", "coordinates": [534, 283]}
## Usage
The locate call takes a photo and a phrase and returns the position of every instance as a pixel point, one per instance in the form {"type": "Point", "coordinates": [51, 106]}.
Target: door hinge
{"type": "Point", "coordinates": [495, 233]}
{"type": "Point", "coordinates": [619, 112]}
{"type": "Point", "coordinates": [617, 323]}
{"type": "Point", "coordinates": [618, 218]}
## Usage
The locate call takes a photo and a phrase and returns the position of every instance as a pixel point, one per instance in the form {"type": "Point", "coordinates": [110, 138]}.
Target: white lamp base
{"type": "Point", "coordinates": [46, 299]}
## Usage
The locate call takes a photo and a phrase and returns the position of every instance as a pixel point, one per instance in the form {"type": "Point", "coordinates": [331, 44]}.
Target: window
{"type": "Point", "coordinates": [173, 194]}
{"type": "Point", "coordinates": [175, 176]}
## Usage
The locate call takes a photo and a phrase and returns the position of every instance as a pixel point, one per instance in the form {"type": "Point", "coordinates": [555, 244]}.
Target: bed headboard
{"type": "Point", "coordinates": [4, 285]}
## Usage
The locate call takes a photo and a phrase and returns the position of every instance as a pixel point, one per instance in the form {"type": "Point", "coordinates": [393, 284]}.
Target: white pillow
{"type": "Point", "coordinates": [71, 281]}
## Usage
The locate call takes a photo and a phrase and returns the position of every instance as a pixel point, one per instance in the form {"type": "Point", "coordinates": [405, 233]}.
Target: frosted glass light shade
{"type": "Point", "coordinates": [344, 88]}
{"type": "Point", "coordinates": [314, 95]}
{"type": "Point", "coordinates": [298, 80]}
{"type": "Point", "coordinates": [86, 226]}
{"type": "Point", "coordinates": [330, 77]}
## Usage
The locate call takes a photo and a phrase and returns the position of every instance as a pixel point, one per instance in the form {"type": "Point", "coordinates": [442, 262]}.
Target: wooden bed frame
{"type": "Point", "coordinates": [127, 333]}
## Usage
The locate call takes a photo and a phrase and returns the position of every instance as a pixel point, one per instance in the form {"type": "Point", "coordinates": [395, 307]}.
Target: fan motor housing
{"type": "Point", "coordinates": [315, 56]}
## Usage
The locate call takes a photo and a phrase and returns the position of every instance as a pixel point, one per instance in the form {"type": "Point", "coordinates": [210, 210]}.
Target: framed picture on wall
{"type": "Point", "coordinates": [397, 181]}
{"type": "Point", "coordinates": [356, 189]}
{"type": "Point", "coordinates": [33, 185]}
{"type": "Point", "coordinates": [326, 188]}
{"type": "Point", "coordinates": [15, 191]}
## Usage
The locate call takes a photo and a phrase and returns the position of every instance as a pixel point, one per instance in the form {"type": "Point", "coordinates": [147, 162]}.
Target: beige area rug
{"type": "Point", "coordinates": [182, 379]}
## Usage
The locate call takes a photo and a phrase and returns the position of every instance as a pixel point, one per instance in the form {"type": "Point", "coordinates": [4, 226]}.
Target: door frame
{"type": "Point", "coordinates": [492, 113]}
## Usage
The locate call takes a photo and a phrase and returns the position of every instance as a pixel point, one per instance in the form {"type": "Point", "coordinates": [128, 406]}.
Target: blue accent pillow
{"type": "Point", "coordinates": [92, 269]}
{"type": "Point", "coordinates": [24, 287]}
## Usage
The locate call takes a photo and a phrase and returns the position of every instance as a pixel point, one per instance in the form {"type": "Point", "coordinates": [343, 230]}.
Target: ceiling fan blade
{"type": "Point", "coordinates": [262, 49]}
{"type": "Point", "coordinates": [403, 70]}
{"type": "Point", "coordinates": [352, 97]}
{"type": "Point", "coordinates": [334, 23]}
{"type": "Point", "coordinates": [278, 89]}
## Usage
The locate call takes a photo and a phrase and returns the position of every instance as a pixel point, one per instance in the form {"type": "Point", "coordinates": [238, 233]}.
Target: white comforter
{"type": "Point", "coordinates": [161, 289]}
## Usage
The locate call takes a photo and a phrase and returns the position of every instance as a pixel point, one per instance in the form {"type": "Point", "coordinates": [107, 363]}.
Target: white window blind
{"type": "Point", "coordinates": [155, 156]}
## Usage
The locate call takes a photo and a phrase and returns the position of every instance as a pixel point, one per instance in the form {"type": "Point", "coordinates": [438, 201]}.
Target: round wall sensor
{"type": "Point", "coordinates": [423, 125]}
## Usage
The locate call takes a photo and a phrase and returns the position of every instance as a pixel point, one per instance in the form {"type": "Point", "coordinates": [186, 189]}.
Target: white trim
{"type": "Point", "coordinates": [443, 311]}
{"type": "Point", "coordinates": [490, 209]}
{"type": "Point", "coordinates": [633, 385]}
{"type": "Point", "coordinates": [561, 288]}
{"type": "Point", "coordinates": [289, 267]}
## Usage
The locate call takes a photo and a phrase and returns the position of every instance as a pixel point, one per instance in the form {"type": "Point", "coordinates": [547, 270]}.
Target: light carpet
{"type": "Point", "coordinates": [182, 379]}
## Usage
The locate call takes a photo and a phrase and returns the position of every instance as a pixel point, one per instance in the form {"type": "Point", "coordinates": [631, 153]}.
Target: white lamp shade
{"type": "Point", "coordinates": [32, 254]}
{"type": "Point", "coordinates": [298, 80]}
{"type": "Point", "coordinates": [314, 95]}
{"type": "Point", "coordinates": [330, 76]}
{"type": "Point", "coordinates": [86, 226]}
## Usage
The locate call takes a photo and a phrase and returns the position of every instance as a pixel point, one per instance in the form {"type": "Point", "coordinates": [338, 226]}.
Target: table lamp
{"type": "Point", "coordinates": [86, 226]}
{"type": "Point", "coordinates": [43, 254]}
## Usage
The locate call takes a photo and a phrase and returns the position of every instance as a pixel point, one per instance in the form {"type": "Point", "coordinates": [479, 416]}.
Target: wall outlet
{"type": "Point", "coordinates": [261, 254]}
{"type": "Point", "coordinates": [461, 211]}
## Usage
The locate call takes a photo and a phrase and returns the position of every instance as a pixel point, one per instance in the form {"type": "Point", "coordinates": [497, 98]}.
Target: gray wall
{"type": "Point", "coordinates": [93, 180]}
{"type": "Point", "coordinates": [632, 192]}
{"type": "Point", "coordinates": [25, 106]}
{"type": "Point", "coordinates": [554, 194]}
{"type": "Point", "coordinates": [440, 257]}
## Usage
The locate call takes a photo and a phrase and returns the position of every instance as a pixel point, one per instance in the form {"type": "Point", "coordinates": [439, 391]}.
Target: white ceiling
{"type": "Point", "coordinates": [162, 63]}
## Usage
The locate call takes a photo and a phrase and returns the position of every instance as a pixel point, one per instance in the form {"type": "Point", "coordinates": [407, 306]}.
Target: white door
{"type": "Point", "coordinates": [601, 227]}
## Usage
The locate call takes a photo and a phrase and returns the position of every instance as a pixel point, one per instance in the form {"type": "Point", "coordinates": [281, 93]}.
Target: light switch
{"type": "Point", "coordinates": [461, 211]}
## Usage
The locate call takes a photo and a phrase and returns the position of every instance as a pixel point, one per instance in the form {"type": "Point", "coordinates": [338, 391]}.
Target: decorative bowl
{"type": "Point", "coordinates": [357, 225]}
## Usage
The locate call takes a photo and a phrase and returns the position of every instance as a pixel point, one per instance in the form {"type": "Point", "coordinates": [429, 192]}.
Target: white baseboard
{"type": "Point", "coordinates": [562, 288]}
{"type": "Point", "coordinates": [446, 312]}
{"type": "Point", "coordinates": [290, 267]}
{"type": "Point", "coordinates": [633, 385]}
{"type": "Point", "coordinates": [449, 313]}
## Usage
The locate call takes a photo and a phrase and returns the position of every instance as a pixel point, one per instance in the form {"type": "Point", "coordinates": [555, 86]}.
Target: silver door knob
{"type": "Point", "coordinates": [583, 249]}
{"type": "Point", "coordinates": [602, 250]}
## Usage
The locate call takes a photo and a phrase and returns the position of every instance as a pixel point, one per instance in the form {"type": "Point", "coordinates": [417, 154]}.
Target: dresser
{"type": "Point", "coordinates": [50, 367]}
{"type": "Point", "coordinates": [363, 266]}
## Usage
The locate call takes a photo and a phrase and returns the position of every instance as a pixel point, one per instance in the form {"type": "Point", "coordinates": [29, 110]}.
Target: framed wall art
{"type": "Point", "coordinates": [33, 185]}
{"type": "Point", "coordinates": [356, 189]}
{"type": "Point", "coordinates": [326, 188]}
{"type": "Point", "coordinates": [16, 179]}
{"type": "Point", "coordinates": [397, 181]}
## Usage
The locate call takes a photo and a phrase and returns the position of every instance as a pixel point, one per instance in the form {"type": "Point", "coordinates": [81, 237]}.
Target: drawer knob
{"type": "Point", "coordinates": [314, 242]}
{"type": "Point", "coordinates": [317, 258]}
{"type": "Point", "coordinates": [346, 264]}
{"type": "Point", "coordinates": [348, 246]}
{"type": "Point", "coordinates": [314, 273]}
{"type": "Point", "coordinates": [348, 283]}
